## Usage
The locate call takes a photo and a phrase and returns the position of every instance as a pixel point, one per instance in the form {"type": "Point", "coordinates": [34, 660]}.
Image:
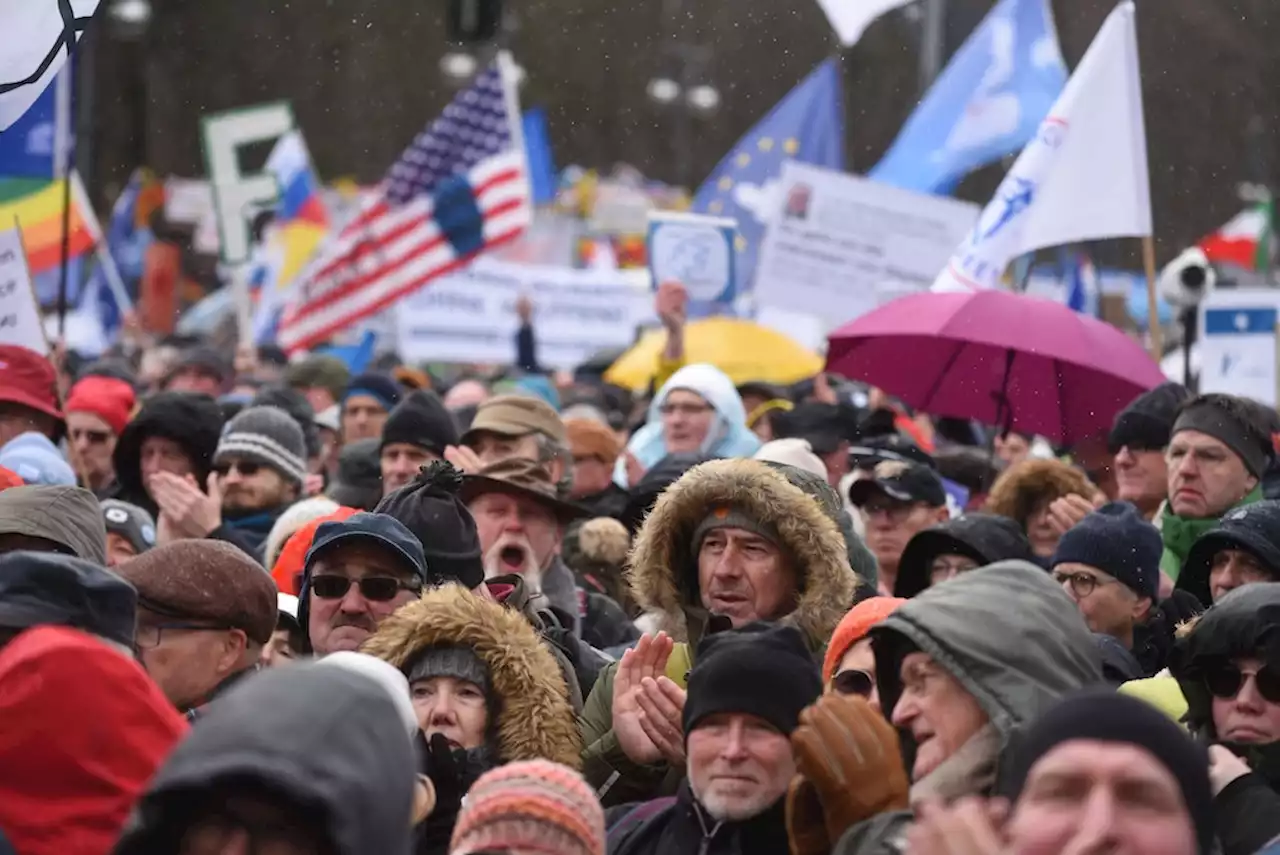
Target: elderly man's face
{"type": "Point", "coordinates": [937, 710]}
{"type": "Point", "coordinates": [400, 462]}
{"type": "Point", "coordinates": [362, 418]}
{"type": "Point", "coordinates": [187, 658]}
{"type": "Point", "coordinates": [1107, 605]}
{"type": "Point", "coordinates": [738, 765]}
{"type": "Point", "coordinates": [1142, 477]}
{"type": "Point", "coordinates": [342, 613]}
{"type": "Point", "coordinates": [1091, 796]}
{"type": "Point", "coordinates": [744, 576]}
{"type": "Point", "coordinates": [1205, 476]}
{"type": "Point", "coordinates": [1246, 701]}
{"type": "Point", "coordinates": [1234, 568]}
{"type": "Point", "coordinates": [517, 535]}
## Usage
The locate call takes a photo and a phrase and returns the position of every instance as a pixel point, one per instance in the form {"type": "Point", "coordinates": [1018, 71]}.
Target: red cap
{"type": "Point", "coordinates": [27, 378]}
{"type": "Point", "coordinates": [9, 478]}
{"type": "Point", "coordinates": [107, 398]}
{"type": "Point", "coordinates": [293, 557]}
{"type": "Point", "coordinates": [853, 627]}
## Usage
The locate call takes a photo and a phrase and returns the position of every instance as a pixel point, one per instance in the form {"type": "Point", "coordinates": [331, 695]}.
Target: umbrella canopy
{"type": "Point", "coordinates": [743, 350]}
{"type": "Point", "coordinates": [1002, 358]}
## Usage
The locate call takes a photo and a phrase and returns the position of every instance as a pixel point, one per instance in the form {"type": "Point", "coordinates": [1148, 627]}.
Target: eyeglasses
{"type": "Point", "coordinates": [377, 589]}
{"type": "Point", "coordinates": [93, 437]}
{"type": "Point", "coordinates": [896, 512]}
{"type": "Point", "coordinates": [244, 467]}
{"type": "Point", "coordinates": [942, 569]}
{"type": "Point", "coordinates": [853, 682]}
{"type": "Point", "coordinates": [1081, 584]}
{"type": "Point", "coordinates": [150, 634]}
{"type": "Point", "coordinates": [1226, 681]}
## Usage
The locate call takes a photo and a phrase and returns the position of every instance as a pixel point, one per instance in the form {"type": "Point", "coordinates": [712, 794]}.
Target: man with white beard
{"type": "Point", "coordinates": [521, 523]}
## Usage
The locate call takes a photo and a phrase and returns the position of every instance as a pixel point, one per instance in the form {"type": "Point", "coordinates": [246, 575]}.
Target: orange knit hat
{"type": "Point", "coordinates": [530, 806]}
{"type": "Point", "coordinates": [853, 627]}
{"type": "Point", "coordinates": [288, 567]}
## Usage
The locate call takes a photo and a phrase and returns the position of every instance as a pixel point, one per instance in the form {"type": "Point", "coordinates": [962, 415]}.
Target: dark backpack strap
{"type": "Point", "coordinates": [635, 823]}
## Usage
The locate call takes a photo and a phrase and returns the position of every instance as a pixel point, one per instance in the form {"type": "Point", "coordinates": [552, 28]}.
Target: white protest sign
{"type": "Point", "coordinates": [841, 245]}
{"type": "Point", "coordinates": [696, 251]}
{"type": "Point", "coordinates": [19, 315]}
{"type": "Point", "coordinates": [470, 316]}
{"type": "Point", "coordinates": [1238, 343]}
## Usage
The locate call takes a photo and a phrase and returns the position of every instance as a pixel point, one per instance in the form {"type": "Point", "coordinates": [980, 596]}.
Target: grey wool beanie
{"type": "Point", "coordinates": [265, 435]}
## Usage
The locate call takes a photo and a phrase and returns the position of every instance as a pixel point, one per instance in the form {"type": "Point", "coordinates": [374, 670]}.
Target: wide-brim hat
{"type": "Point", "coordinates": [518, 476]}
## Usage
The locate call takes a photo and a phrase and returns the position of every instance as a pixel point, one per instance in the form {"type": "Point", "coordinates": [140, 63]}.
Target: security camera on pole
{"type": "Point", "coordinates": [1184, 283]}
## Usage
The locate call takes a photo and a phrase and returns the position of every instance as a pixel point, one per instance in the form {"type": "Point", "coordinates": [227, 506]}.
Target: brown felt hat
{"type": "Point", "coordinates": [205, 580]}
{"type": "Point", "coordinates": [517, 476]}
{"type": "Point", "coordinates": [589, 438]}
{"type": "Point", "coordinates": [516, 415]}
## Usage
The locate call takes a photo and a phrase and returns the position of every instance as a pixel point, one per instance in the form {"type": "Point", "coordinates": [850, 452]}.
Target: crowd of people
{"type": "Point", "coordinates": [271, 606]}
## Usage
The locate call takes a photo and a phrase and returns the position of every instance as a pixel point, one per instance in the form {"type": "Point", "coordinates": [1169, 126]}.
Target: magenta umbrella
{"type": "Point", "coordinates": [1001, 358]}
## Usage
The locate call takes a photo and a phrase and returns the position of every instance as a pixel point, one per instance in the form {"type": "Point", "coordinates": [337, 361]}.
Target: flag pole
{"type": "Point", "coordinates": [54, 357]}
{"type": "Point", "coordinates": [1153, 315]}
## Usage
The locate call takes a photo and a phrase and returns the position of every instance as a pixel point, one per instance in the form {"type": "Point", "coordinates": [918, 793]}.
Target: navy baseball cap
{"type": "Point", "coordinates": [902, 481]}
{"type": "Point", "coordinates": [385, 531]}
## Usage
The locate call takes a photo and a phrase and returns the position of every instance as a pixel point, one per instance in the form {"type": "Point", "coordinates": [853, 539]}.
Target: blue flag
{"type": "Point", "coordinates": [986, 104]}
{"type": "Point", "coordinates": [808, 126]}
{"type": "Point", "coordinates": [537, 148]}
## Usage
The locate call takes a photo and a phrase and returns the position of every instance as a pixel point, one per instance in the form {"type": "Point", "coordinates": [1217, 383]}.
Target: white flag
{"type": "Point", "coordinates": [19, 314]}
{"type": "Point", "coordinates": [1084, 176]}
{"type": "Point", "coordinates": [849, 18]}
{"type": "Point", "coordinates": [35, 41]}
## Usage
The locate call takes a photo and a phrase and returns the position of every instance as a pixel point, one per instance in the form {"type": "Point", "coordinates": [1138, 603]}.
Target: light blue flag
{"type": "Point", "coordinates": [986, 104]}
{"type": "Point", "coordinates": [808, 126]}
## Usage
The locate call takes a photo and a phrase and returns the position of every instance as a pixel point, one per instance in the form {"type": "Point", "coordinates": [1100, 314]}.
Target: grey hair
{"type": "Point", "coordinates": [550, 450]}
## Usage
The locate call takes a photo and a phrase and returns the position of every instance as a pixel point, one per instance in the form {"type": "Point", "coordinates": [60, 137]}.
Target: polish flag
{"type": "Point", "coordinates": [1245, 240]}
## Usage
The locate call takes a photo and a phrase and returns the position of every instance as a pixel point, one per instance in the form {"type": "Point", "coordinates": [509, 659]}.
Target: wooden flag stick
{"type": "Point", "coordinates": [1153, 314]}
{"type": "Point", "coordinates": [54, 357]}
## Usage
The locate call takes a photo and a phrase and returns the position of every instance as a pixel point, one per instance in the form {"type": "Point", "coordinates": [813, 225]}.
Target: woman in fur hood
{"type": "Point", "coordinates": [486, 691]}
{"type": "Point", "coordinates": [1024, 492]}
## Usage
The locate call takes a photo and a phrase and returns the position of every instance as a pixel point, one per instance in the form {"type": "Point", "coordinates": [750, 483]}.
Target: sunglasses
{"type": "Point", "coordinates": [1226, 681]}
{"type": "Point", "coordinates": [93, 437]}
{"type": "Point", "coordinates": [245, 468]}
{"type": "Point", "coordinates": [377, 589]}
{"type": "Point", "coordinates": [853, 682]}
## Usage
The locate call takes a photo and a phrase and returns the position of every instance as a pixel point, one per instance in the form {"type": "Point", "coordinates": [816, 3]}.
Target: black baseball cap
{"type": "Point", "coordinates": [902, 481]}
{"type": "Point", "coordinates": [381, 529]}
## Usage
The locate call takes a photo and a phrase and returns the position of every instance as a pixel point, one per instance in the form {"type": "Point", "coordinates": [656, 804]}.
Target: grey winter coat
{"type": "Point", "coordinates": [1014, 640]}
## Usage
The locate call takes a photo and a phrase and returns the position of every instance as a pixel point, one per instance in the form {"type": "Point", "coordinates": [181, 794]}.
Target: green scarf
{"type": "Point", "coordinates": [1179, 533]}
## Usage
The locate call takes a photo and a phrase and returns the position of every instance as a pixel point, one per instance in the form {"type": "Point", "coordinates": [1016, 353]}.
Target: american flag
{"type": "Point", "coordinates": [460, 189]}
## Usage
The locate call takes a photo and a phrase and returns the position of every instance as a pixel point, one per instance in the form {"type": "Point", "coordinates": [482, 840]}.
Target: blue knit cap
{"type": "Point", "coordinates": [379, 386]}
{"type": "Point", "coordinates": [1119, 542]}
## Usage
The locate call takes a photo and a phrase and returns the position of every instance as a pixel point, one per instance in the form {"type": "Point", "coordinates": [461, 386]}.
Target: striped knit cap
{"type": "Point", "coordinates": [533, 807]}
{"type": "Point", "coordinates": [265, 435]}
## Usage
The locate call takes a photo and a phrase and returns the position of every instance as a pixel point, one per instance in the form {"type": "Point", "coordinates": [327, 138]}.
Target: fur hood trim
{"type": "Point", "coordinates": [535, 720]}
{"type": "Point", "coordinates": [663, 568]}
{"type": "Point", "coordinates": [1024, 485]}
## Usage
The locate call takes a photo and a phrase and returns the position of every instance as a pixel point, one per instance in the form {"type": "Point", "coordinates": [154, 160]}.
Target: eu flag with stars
{"type": "Point", "coordinates": [808, 126]}
{"type": "Point", "coordinates": [987, 103]}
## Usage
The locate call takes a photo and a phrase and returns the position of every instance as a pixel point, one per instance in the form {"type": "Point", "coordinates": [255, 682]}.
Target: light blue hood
{"type": "Point", "coordinates": [728, 437]}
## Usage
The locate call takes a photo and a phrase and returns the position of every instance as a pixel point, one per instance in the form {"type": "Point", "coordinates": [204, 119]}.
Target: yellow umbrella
{"type": "Point", "coordinates": [741, 349]}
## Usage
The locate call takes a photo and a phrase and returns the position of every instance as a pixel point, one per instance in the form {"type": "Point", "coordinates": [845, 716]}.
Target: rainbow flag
{"type": "Point", "coordinates": [39, 213]}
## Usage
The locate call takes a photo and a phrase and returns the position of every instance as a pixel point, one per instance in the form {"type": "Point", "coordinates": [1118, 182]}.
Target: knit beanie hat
{"type": "Point", "coordinates": [299, 409]}
{"type": "Point", "coordinates": [1106, 716]}
{"type": "Point", "coordinates": [105, 397]}
{"type": "Point", "coordinates": [853, 627]}
{"type": "Point", "coordinates": [1232, 421]}
{"type": "Point", "coordinates": [530, 806]}
{"type": "Point", "coordinates": [265, 435]}
{"type": "Point", "coordinates": [385, 675]}
{"type": "Point", "coordinates": [358, 483]}
{"type": "Point", "coordinates": [1119, 542]}
{"type": "Point", "coordinates": [130, 522]}
{"type": "Point", "coordinates": [430, 508]}
{"type": "Point", "coordinates": [455, 661]}
{"type": "Point", "coordinates": [730, 516]}
{"type": "Point", "coordinates": [1146, 423]}
{"type": "Point", "coordinates": [421, 420]}
{"type": "Point", "coordinates": [760, 669]}
{"type": "Point", "coordinates": [379, 386]}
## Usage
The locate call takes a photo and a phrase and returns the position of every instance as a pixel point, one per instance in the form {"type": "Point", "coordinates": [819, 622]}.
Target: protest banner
{"type": "Point", "coordinates": [470, 316]}
{"type": "Point", "coordinates": [696, 251]}
{"type": "Point", "coordinates": [1237, 343]}
{"type": "Point", "coordinates": [840, 245]}
{"type": "Point", "coordinates": [19, 316]}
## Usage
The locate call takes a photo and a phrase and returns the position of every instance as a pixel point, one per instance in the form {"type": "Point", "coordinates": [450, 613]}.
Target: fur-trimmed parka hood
{"type": "Point", "coordinates": [663, 568]}
{"type": "Point", "coordinates": [1023, 486]}
{"type": "Point", "coordinates": [535, 719]}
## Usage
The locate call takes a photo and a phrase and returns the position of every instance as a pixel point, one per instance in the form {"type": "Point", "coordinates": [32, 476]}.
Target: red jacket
{"type": "Point", "coordinates": [82, 731]}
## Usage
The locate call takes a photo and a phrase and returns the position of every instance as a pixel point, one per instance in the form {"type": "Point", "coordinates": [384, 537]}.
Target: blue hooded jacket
{"type": "Point", "coordinates": [728, 436]}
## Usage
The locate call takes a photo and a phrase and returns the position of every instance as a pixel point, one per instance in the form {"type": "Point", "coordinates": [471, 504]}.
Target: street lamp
{"type": "Point", "coordinates": [663, 90]}
{"type": "Point", "coordinates": [703, 99]}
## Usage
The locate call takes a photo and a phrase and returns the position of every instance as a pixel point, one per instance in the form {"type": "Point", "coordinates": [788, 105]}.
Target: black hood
{"type": "Point", "coordinates": [985, 538]}
{"type": "Point", "coordinates": [191, 420]}
{"type": "Point", "coordinates": [1245, 622]}
{"type": "Point", "coordinates": [323, 738]}
{"type": "Point", "coordinates": [659, 477]}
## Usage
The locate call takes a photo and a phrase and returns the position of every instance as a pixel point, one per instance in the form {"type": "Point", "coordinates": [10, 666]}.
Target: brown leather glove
{"type": "Point", "coordinates": [849, 763]}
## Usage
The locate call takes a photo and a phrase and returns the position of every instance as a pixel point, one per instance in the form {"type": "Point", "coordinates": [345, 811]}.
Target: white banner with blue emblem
{"type": "Point", "coordinates": [1238, 343]}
